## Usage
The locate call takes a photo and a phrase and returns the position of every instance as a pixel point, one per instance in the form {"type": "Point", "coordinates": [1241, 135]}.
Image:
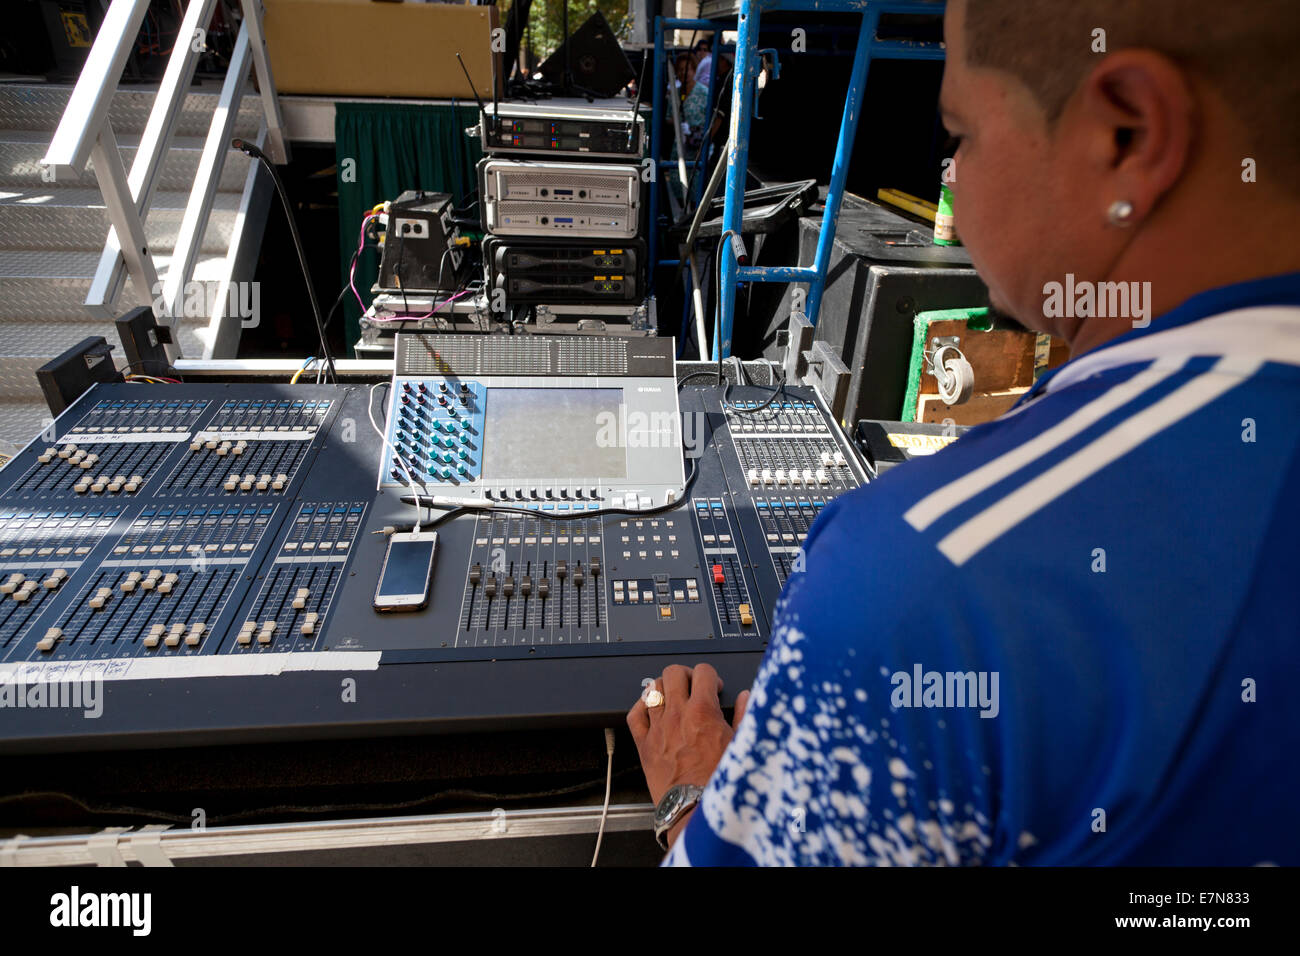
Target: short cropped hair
{"type": "Point", "coordinates": [1246, 49]}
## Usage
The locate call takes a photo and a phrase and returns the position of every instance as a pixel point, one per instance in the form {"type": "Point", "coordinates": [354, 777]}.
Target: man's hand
{"type": "Point", "coordinates": [682, 740]}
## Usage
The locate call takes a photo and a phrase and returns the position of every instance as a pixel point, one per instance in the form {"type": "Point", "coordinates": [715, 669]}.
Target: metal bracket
{"type": "Point", "coordinates": [951, 370]}
{"type": "Point", "coordinates": [801, 340]}
{"type": "Point", "coordinates": [828, 374]}
{"type": "Point", "coordinates": [146, 844]}
{"type": "Point", "coordinates": [103, 847]}
{"type": "Point", "coordinates": [937, 343]}
{"type": "Point", "coordinates": [639, 320]}
{"type": "Point", "coordinates": [9, 849]}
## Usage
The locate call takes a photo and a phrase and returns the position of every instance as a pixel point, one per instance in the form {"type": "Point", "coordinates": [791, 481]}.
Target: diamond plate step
{"type": "Point", "coordinates": [41, 106]}
{"type": "Point", "coordinates": [53, 285]}
{"type": "Point", "coordinates": [30, 343]}
{"type": "Point", "coordinates": [21, 152]}
{"type": "Point", "coordinates": [52, 234]}
{"type": "Point", "coordinates": [64, 218]}
{"type": "Point", "coordinates": [21, 420]}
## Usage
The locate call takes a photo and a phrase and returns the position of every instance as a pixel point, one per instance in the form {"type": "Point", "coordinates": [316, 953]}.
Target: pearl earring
{"type": "Point", "coordinates": [1120, 213]}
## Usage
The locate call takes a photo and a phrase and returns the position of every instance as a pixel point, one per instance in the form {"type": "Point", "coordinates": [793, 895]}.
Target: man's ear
{"type": "Point", "coordinates": [1139, 112]}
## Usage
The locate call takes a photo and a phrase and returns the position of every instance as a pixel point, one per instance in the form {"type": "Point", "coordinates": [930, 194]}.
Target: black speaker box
{"type": "Point", "coordinates": [884, 269]}
{"type": "Point", "coordinates": [596, 61]}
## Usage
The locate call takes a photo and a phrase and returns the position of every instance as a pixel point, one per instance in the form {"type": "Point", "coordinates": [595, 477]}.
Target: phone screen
{"type": "Point", "coordinates": [406, 569]}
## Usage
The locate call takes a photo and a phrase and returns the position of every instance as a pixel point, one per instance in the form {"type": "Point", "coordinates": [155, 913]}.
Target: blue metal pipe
{"type": "Point", "coordinates": [738, 139]}
{"type": "Point", "coordinates": [906, 50]}
{"type": "Point", "coordinates": [742, 93]}
{"type": "Point", "coordinates": [776, 274]}
{"type": "Point", "coordinates": [840, 168]}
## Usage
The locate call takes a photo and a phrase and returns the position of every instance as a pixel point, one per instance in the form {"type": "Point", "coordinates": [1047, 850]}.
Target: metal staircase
{"type": "Point", "coordinates": [188, 197]}
{"type": "Point", "coordinates": [52, 234]}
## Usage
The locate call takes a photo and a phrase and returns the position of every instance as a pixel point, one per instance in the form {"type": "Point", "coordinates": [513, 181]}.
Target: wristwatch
{"type": "Point", "coordinates": [672, 805]}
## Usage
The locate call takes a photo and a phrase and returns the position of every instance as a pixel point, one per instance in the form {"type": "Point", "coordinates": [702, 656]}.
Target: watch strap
{"type": "Point", "coordinates": [690, 796]}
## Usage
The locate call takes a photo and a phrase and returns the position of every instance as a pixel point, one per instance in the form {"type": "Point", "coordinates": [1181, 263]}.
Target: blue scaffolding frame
{"type": "Point", "coordinates": [747, 65]}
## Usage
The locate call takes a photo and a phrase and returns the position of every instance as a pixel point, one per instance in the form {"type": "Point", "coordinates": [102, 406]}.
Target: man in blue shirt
{"type": "Point", "coordinates": [1069, 638]}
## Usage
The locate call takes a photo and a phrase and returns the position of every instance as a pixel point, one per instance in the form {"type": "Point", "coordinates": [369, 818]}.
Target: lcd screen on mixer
{"type": "Point", "coordinates": [554, 433]}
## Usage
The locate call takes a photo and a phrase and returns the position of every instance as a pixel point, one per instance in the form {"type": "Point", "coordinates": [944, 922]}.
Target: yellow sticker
{"type": "Point", "coordinates": [920, 444]}
{"type": "Point", "coordinates": [77, 28]}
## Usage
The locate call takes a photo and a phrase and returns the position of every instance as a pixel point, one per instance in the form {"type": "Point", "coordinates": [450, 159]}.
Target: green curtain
{"type": "Point", "coordinates": [382, 149]}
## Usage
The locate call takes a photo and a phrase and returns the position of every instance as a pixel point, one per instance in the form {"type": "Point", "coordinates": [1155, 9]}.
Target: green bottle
{"type": "Point", "coordinates": [945, 225]}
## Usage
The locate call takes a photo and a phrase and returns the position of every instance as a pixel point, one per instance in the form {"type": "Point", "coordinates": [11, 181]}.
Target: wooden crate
{"type": "Point", "coordinates": [1006, 363]}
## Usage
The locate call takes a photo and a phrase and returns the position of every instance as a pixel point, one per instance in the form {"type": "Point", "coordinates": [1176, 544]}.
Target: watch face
{"type": "Point", "coordinates": [669, 803]}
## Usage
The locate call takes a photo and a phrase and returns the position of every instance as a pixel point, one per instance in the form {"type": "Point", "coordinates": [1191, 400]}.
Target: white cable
{"type": "Point", "coordinates": [741, 377]}
{"type": "Point", "coordinates": [370, 413]}
{"type": "Point", "coordinates": [609, 780]}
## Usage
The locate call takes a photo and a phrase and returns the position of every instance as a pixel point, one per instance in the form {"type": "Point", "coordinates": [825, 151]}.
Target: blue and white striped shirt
{"type": "Point", "coordinates": [1069, 638]}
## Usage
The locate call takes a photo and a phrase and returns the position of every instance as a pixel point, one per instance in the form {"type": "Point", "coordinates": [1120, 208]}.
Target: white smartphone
{"type": "Point", "coordinates": [407, 572]}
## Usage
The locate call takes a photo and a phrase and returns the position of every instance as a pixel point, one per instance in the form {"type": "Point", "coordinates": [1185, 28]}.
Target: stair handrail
{"type": "Point", "coordinates": [85, 133]}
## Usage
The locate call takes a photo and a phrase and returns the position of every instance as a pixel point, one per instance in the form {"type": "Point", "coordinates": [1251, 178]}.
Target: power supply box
{"type": "Point", "coordinates": [532, 273]}
{"type": "Point", "coordinates": [561, 200]}
{"type": "Point", "coordinates": [419, 250]}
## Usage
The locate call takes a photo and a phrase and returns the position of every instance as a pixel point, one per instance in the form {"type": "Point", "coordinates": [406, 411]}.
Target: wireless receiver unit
{"type": "Point", "coordinates": [561, 127]}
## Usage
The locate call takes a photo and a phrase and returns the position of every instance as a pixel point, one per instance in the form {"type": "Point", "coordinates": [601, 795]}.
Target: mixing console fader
{"type": "Point", "coordinates": [211, 552]}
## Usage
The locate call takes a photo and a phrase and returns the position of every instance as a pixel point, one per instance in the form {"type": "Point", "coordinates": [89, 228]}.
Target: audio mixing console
{"type": "Point", "coordinates": [210, 552]}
